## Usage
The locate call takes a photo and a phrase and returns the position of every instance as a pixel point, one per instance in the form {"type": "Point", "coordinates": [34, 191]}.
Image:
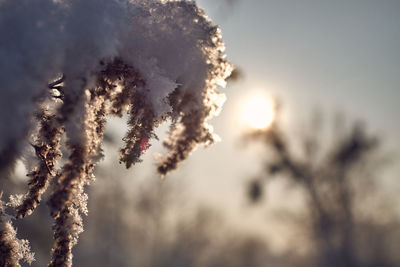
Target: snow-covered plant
{"type": "Point", "coordinates": [12, 249]}
{"type": "Point", "coordinates": [68, 64]}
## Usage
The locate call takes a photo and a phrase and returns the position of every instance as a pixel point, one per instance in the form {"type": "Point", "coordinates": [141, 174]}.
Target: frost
{"type": "Point", "coordinates": [12, 249]}
{"type": "Point", "coordinates": [68, 64]}
{"type": "Point", "coordinates": [15, 200]}
{"type": "Point", "coordinates": [171, 45]}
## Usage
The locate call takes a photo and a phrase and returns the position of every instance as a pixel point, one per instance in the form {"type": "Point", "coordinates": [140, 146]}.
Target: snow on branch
{"type": "Point", "coordinates": [12, 249]}
{"type": "Point", "coordinates": [66, 65]}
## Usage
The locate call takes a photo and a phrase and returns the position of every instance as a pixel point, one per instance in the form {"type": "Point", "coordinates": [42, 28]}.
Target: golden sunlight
{"type": "Point", "coordinates": [257, 111]}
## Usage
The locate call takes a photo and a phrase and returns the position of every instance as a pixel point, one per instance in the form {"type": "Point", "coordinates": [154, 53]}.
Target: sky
{"type": "Point", "coordinates": [329, 56]}
{"type": "Point", "coordinates": [333, 54]}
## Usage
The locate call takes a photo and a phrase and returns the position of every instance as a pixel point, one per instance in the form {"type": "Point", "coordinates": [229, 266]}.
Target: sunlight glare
{"type": "Point", "coordinates": [258, 111]}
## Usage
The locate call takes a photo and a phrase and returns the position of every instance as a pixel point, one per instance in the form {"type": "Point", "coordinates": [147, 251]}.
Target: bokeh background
{"type": "Point", "coordinates": [332, 69]}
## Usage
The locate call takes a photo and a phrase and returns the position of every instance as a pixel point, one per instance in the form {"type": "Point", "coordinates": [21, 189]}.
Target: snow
{"type": "Point", "coordinates": [172, 44]}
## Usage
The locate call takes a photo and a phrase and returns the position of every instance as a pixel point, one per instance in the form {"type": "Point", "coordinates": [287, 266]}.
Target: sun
{"type": "Point", "coordinates": [257, 111]}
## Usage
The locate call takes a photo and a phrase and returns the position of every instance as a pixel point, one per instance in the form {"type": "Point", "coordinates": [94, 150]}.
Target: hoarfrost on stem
{"type": "Point", "coordinates": [12, 249]}
{"type": "Point", "coordinates": [68, 64]}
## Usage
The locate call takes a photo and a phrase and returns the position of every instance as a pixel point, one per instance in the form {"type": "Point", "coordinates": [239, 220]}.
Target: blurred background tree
{"type": "Point", "coordinates": [348, 218]}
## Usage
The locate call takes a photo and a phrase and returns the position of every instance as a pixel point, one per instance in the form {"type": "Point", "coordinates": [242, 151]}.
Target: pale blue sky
{"type": "Point", "coordinates": [337, 55]}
